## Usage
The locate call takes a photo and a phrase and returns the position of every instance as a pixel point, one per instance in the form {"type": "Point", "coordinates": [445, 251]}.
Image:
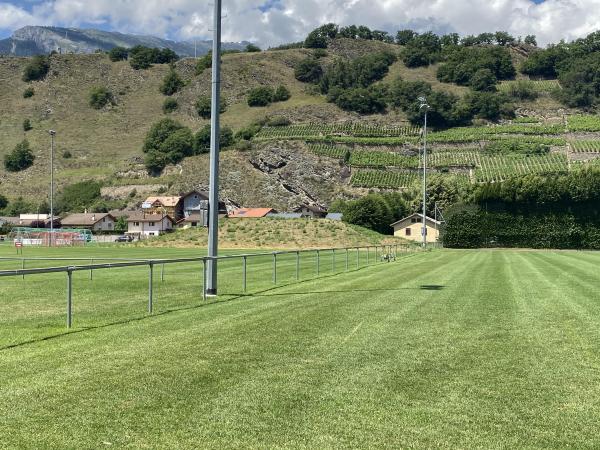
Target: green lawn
{"type": "Point", "coordinates": [467, 349]}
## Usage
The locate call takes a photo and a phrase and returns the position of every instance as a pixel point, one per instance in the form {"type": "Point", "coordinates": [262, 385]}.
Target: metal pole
{"type": "Point", "coordinates": [69, 299]}
{"type": "Point", "coordinates": [357, 258]}
{"type": "Point", "coordinates": [23, 266]}
{"type": "Point", "coordinates": [368, 252]}
{"type": "Point", "coordinates": [347, 260]}
{"type": "Point", "coordinates": [213, 225]}
{"type": "Point", "coordinates": [150, 277]}
{"type": "Point", "coordinates": [424, 227]}
{"type": "Point", "coordinates": [91, 270]}
{"type": "Point", "coordinates": [333, 260]}
{"type": "Point", "coordinates": [318, 263]}
{"type": "Point", "coordinates": [297, 265]}
{"type": "Point", "coordinates": [274, 268]}
{"type": "Point", "coordinates": [244, 272]}
{"type": "Point", "coordinates": [162, 272]}
{"type": "Point", "coordinates": [52, 134]}
{"type": "Point", "coordinates": [204, 279]}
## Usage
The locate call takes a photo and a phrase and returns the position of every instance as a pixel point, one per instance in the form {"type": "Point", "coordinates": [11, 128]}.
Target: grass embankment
{"type": "Point", "coordinates": [272, 233]}
{"type": "Point", "coordinates": [464, 349]}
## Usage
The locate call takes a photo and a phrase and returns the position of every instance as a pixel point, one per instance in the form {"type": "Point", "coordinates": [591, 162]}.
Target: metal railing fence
{"type": "Point", "coordinates": [341, 259]}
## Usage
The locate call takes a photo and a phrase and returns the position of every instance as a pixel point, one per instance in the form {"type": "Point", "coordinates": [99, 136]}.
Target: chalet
{"type": "Point", "coordinates": [311, 212]}
{"type": "Point", "coordinates": [196, 203]}
{"type": "Point", "coordinates": [253, 213]}
{"type": "Point", "coordinates": [168, 205]}
{"type": "Point", "coordinates": [410, 228]}
{"type": "Point", "coordinates": [142, 224]}
{"type": "Point", "coordinates": [96, 222]}
{"type": "Point", "coordinates": [193, 220]}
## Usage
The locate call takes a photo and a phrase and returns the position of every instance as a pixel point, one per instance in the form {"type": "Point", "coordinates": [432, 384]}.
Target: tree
{"type": "Point", "coordinates": [27, 125]}
{"type": "Point", "coordinates": [204, 106]}
{"type": "Point", "coordinates": [159, 132]}
{"type": "Point", "coordinates": [178, 145]}
{"type": "Point", "coordinates": [170, 105]}
{"type": "Point", "coordinates": [318, 37]}
{"type": "Point", "coordinates": [37, 69]}
{"type": "Point", "coordinates": [371, 211]}
{"type": "Point", "coordinates": [28, 93]}
{"type": "Point", "coordinates": [503, 38]}
{"type": "Point", "coordinates": [78, 197]}
{"type": "Point", "coordinates": [166, 56]}
{"type": "Point", "coordinates": [202, 139]}
{"type": "Point", "coordinates": [308, 71]}
{"type": "Point", "coordinates": [171, 83]}
{"type": "Point", "coordinates": [530, 39]}
{"type": "Point", "coordinates": [171, 143]}
{"type": "Point", "coordinates": [3, 202]}
{"type": "Point", "coordinates": [118, 54]}
{"type": "Point", "coordinates": [260, 96]}
{"type": "Point", "coordinates": [522, 90]}
{"type": "Point", "coordinates": [99, 97]}
{"type": "Point", "coordinates": [121, 224]}
{"type": "Point", "coordinates": [18, 206]}
{"type": "Point", "coordinates": [281, 94]}
{"type": "Point", "coordinates": [422, 50]}
{"type": "Point", "coordinates": [404, 37]}
{"type": "Point", "coordinates": [204, 63]}
{"type": "Point", "coordinates": [251, 48]}
{"type": "Point", "coordinates": [20, 158]}
{"type": "Point", "coordinates": [361, 100]}
{"type": "Point", "coordinates": [483, 80]}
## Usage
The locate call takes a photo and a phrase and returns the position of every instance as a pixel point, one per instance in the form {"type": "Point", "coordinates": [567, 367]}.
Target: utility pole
{"type": "Point", "coordinates": [425, 106]}
{"type": "Point", "coordinates": [52, 134]}
{"type": "Point", "coordinates": [213, 196]}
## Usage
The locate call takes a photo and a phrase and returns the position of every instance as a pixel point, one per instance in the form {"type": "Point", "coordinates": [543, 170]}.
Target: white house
{"type": "Point", "coordinates": [142, 224]}
{"type": "Point", "coordinates": [410, 228]}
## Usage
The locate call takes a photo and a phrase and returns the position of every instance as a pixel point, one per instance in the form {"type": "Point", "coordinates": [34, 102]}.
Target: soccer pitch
{"type": "Point", "coordinates": [442, 349]}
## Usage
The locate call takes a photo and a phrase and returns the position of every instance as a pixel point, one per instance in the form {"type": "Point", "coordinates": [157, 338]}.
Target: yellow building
{"type": "Point", "coordinates": [410, 228]}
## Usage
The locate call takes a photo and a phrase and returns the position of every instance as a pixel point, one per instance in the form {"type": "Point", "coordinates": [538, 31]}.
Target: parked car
{"type": "Point", "coordinates": [124, 238]}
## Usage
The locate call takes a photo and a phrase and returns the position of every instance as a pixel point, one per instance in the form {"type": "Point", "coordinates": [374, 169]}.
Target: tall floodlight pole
{"type": "Point", "coordinates": [213, 196]}
{"type": "Point", "coordinates": [425, 106]}
{"type": "Point", "coordinates": [52, 134]}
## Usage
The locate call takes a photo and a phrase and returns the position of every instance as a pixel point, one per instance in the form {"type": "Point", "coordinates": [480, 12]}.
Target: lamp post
{"type": "Point", "coordinates": [52, 134]}
{"type": "Point", "coordinates": [213, 201]}
{"type": "Point", "coordinates": [425, 106]}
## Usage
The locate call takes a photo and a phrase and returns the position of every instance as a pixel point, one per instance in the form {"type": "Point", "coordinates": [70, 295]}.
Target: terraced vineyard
{"type": "Point", "coordinates": [383, 179]}
{"type": "Point", "coordinates": [541, 86]}
{"type": "Point", "coordinates": [587, 146]}
{"type": "Point", "coordinates": [582, 122]}
{"type": "Point", "coordinates": [492, 168]}
{"type": "Point", "coordinates": [354, 129]}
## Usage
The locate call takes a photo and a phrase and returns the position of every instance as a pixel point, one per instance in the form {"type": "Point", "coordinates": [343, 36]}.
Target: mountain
{"type": "Point", "coordinates": [34, 40]}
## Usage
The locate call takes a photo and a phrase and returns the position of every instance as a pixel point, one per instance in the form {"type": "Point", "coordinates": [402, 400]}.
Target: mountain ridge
{"type": "Point", "coordinates": [35, 40]}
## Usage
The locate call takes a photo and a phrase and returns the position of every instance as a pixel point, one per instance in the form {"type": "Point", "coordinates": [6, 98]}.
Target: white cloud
{"type": "Point", "coordinates": [292, 19]}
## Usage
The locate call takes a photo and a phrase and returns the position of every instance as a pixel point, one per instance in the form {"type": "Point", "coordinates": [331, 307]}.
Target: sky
{"type": "Point", "coordinates": [272, 22]}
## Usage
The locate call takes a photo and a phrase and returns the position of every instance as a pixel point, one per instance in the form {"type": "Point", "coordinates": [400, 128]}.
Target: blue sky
{"type": "Point", "coordinates": [271, 22]}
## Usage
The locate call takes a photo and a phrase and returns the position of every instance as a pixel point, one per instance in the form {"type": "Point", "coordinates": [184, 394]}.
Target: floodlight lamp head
{"type": "Point", "coordinates": [422, 99]}
{"type": "Point", "coordinates": [52, 132]}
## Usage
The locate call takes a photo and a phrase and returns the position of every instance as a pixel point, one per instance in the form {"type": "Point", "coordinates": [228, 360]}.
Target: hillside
{"type": "Point", "coordinates": [323, 155]}
{"type": "Point", "coordinates": [35, 40]}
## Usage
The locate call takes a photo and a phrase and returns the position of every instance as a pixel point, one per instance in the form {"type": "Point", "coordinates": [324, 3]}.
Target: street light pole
{"type": "Point", "coordinates": [424, 105]}
{"type": "Point", "coordinates": [52, 134]}
{"type": "Point", "coordinates": [213, 202]}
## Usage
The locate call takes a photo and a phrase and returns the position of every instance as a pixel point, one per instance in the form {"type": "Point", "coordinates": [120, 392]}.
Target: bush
{"type": "Point", "coordinates": [3, 202]}
{"type": "Point", "coordinates": [281, 94]}
{"type": "Point", "coordinates": [204, 106]}
{"type": "Point", "coordinates": [308, 71]}
{"type": "Point", "coordinates": [260, 96]}
{"type": "Point", "coordinates": [483, 80]}
{"type": "Point", "coordinates": [358, 73]}
{"type": "Point", "coordinates": [249, 132]}
{"type": "Point", "coordinates": [251, 48]}
{"type": "Point", "coordinates": [27, 125]}
{"type": "Point", "coordinates": [100, 97]}
{"type": "Point", "coordinates": [422, 50]}
{"type": "Point", "coordinates": [28, 93]}
{"type": "Point", "coordinates": [159, 132]}
{"type": "Point", "coordinates": [202, 139]}
{"type": "Point", "coordinates": [319, 53]}
{"type": "Point", "coordinates": [170, 105]}
{"type": "Point", "coordinates": [67, 154]}
{"type": "Point", "coordinates": [174, 144]}
{"type": "Point", "coordinates": [20, 158]}
{"type": "Point", "coordinates": [374, 211]}
{"type": "Point", "coordinates": [278, 121]}
{"type": "Point", "coordinates": [204, 63]}
{"type": "Point", "coordinates": [178, 145]}
{"type": "Point", "coordinates": [37, 68]}
{"type": "Point", "coordinates": [141, 57]}
{"type": "Point", "coordinates": [171, 83]}
{"type": "Point", "coordinates": [522, 90]}
{"type": "Point", "coordinates": [118, 54]}
{"type": "Point", "coordinates": [361, 100]}
{"type": "Point", "coordinates": [464, 62]}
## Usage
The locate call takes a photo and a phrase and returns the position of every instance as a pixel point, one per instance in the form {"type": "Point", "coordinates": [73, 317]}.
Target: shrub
{"type": "Point", "coordinates": [159, 132]}
{"type": "Point", "coordinates": [170, 105]}
{"type": "Point", "coordinates": [3, 202]}
{"type": "Point", "coordinates": [202, 139]}
{"type": "Point", "coordinates": [358, 73]}
{"type": "Point", "coordinates": [171, 83]}
{"type": "Point", "coordinates": [361, 100]}
{"type": "Point", "coordinates": [260, 96]}
{"type": "Point", "coordinates": [171, 143]}
{"type": "Point", "coordinates": [100, 97]}
{"type": "Point", "coordinates": [319, 53]}
{"type": "Point", "coordinates": [20, 158]}
{"type": "Point", "coordinates": [118, 54]}
{"type": "Point", "coordinates": [251, 48]}
{"type": "Point", "coordinates": [141, 57]}
{"type": "Point", "coordinates": [67, 154]}
{"type": "Point", "coordinates": [27, 125]}
{"type": "Point", "coordinates": [204, 106]}
{"type": "Point", "coordinates": [204, 63]}
{"type": "Point", "coordinates": [249, 132]}
{"type": "Point", "coordinates": [37, 68]}
{"type": "Point", "coordinates": [483, 80]}
{"type": "Point", "coordinates": [178, 145]}
{"type": "Point", "coordinates": [278, 121]}
{"type": "Point", "coordinates": [308, 71]}
{"type": "Point", "coordinates": [281, 94]}
{"type": "Point", "coordinates": [28, 93]}
{"type": "Point", "coordinates": [79, 196]}
{"type": "Point", "coordinates": [243, 146]}
{"type": "Point", "coordinates": [522, 90]}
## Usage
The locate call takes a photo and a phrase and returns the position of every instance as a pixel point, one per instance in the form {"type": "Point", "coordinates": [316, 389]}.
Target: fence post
{"type": "Point", "coordinates": [347, 250]}
{"type": "Point", "coordinates": [23, 266]}
{"type": "Point", "coordinates": [91, 270]}
{"type": "Point", "coordinates": [162, 272]}
{"type": "Point", "coordinates": [204, 279]}
{"type": "Point", "coordinates": [274, 268]}
{"type": "Point", "coordinates": [69, 298]}
{"type": "Point", "coordinates": [357, 258]}
{"type": "Point", "coordinates": [318, 262]}
{"type": "Point", "coordinates": [150, 286]}
{"type": "Point", "coordinates": [376, 248]}
{"type": "Point", "coordinates": [333, 260]}
{"type": "Point", "coordinates": [297, 265]}
{"type": "Point", "coordinates": [368, 252]}
{"type": "Point", "coordinates": [244, 279]}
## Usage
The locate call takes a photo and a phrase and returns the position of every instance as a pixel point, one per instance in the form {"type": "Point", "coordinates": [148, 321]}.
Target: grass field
{"type": "Point", "coordinates": [467, 349]}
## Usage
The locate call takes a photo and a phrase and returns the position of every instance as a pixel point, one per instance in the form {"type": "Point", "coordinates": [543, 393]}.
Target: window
{"type": "Point", "coordinates": [151, 224]}
{"type": "Point", "coordinates": [194, 224]}
{"type": "Point", "coordinates": [413, 220]}
{"type": "Point", "coordinates": [408, 231]}
{"type": "Point", "coordinates": [136, 224]}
